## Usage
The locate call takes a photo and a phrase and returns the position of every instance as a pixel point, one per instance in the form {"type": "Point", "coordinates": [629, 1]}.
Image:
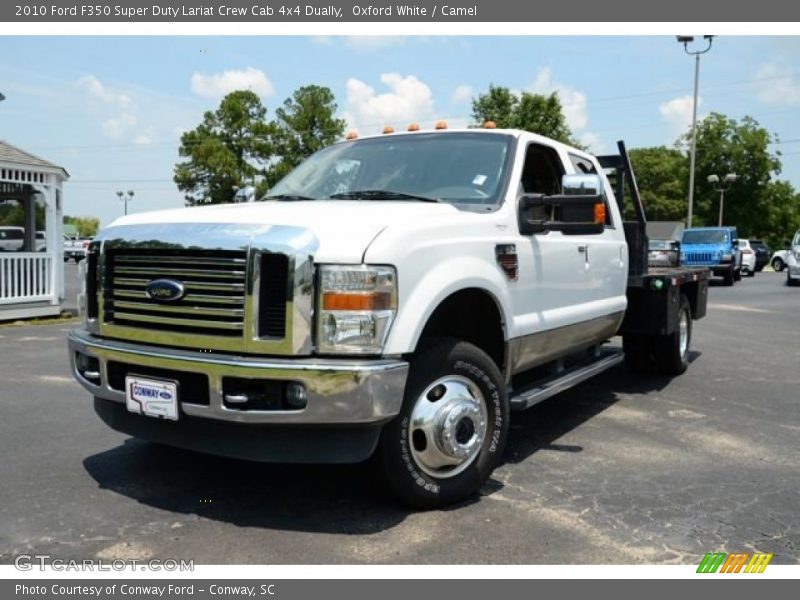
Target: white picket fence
{"type": "Point", "coordinates": [25, 277]}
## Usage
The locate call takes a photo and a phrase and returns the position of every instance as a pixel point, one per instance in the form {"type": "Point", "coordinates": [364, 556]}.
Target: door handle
{"type": "Point", "coordinates": [585, 251]}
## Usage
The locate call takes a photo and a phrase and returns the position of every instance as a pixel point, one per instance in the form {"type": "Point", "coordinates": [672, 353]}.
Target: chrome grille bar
{"type": "Point", "coordinates": [214, 283]}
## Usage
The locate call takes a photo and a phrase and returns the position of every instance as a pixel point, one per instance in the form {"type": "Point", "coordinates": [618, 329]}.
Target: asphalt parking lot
{"type": "Point", "coordinates": [621, 470]}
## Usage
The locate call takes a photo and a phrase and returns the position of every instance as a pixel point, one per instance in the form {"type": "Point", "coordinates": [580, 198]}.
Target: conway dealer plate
{"type": "Point", "coordinates": [152, 397]}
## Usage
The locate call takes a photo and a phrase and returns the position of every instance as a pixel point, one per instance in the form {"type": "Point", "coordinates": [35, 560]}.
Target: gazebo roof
{"type": "Point", "coordinates": [10, 154]}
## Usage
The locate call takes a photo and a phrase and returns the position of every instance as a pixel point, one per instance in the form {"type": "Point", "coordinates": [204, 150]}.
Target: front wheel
{"type": "Point", "coordinates": [737, 275]}
{"type": "Point", "coordinates": [778, 264]}
{"type": "Point", "coordinates": [452, 428]}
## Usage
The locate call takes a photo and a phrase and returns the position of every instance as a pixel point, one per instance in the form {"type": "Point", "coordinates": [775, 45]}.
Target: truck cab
{"type": "Point", "coordinates": [716, 248]}
{"type": "Point", "coordinates": [395, 296]}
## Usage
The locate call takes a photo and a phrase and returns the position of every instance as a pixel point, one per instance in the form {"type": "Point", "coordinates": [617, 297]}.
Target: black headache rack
{"type": "Point", "coordinates": [653, 294]}
{"type": "Point", "coordinates": [635, 231]}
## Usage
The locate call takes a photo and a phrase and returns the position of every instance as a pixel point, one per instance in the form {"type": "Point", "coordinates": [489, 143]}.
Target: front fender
{"type": "Point", "coordinates": [418, 303]}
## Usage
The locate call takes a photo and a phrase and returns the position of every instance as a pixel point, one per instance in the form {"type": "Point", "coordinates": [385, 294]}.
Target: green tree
{"type": "Point", "coordinates": [229, 149]}
{"type": "Point", "coordinates": [304, 124]}
{"type": "Point", "coordinates": [661, 175]}
{"type": "Point", "coordinates": [537, 113]}
{"type": "Point", "coordinates": [758, 204]}
{"type": "Point", "coordinates": [87, 226]}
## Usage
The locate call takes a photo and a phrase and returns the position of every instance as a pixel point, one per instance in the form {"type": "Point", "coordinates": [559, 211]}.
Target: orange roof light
{"type": "Point", "coordinates": [441, 125]}
{"type": "Point", "coordinates": [490, 125]}
{"type": "Point", "coordinates": [388, 129]}
{"type": "Point", "coordinates": [413, 127]}
{"type": "Point", "coordinates": [351, 135]}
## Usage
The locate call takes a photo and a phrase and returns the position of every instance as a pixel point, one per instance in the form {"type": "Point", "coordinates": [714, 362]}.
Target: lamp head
{"type": "Point", "coordinates": [684, 39]}
{"type": "Point", "coordinates": [731, 177]}
{"type": "Point", "coordinates": [713, 179]}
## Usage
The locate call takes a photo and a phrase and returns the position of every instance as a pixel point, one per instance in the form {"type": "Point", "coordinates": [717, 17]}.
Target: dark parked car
{"type": "Point", "coordinates": [663, 253]}
{"type": "Point", "coordinates": [762, 253]}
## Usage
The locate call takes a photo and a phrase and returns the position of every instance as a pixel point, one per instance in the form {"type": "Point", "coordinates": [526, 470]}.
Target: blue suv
{"type": "Point", "coordinates": [714, 247]}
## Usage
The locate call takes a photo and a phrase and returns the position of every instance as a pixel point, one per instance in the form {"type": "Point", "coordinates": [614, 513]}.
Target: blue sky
{"type": "Point", "coordinates": [111, 109]}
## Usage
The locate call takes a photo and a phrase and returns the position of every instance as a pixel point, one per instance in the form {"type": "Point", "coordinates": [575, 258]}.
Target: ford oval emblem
{"type": "Point", "coordinates": [165, 290]}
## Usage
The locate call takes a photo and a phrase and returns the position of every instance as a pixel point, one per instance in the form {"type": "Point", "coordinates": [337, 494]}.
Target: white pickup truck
{"type": "Point", "coordinates": [393, 297]}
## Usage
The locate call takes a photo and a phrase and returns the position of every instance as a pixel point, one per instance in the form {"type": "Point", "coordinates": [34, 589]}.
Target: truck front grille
{"type": "Point", "coordinates": [214, 283]}
{"type": "Point", "coordinates": [700, 258]}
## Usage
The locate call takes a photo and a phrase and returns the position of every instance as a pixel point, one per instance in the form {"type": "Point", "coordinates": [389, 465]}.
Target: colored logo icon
{"type": "Point", "coordinates": [741, 562]}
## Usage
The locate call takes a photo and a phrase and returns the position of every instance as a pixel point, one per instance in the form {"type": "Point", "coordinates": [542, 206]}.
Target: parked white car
{"type": "Point", "coordinates": [779, 259]}
{"type": "Point", "coordinates": [793, 261]}
{"type": "Point", "coordinates": [748, 258]}
{"type": "Point", "coordinates": [11, 239]}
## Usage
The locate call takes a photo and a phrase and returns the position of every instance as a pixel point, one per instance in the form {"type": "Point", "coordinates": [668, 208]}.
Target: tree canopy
{"type": "Point", "coordinates": [236, 145]}
{"type": "Point", "coordinates": [757, 203]}
{"type": "Point", "coordinates": [537, 113]}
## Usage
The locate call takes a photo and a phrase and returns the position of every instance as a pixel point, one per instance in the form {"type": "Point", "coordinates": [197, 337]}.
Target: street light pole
{"type": "Point", "coordinates": [685, 40]}
{"type": "Point", "coordinates": [125, 197]}
{"type": "Point", "coordinates": [721, 187]}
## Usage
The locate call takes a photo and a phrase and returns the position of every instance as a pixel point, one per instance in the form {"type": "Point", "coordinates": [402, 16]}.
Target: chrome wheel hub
{"type": "Point", "coordinates": [683, 332]}
{"type": "Point", "coordinates": [448, 426]}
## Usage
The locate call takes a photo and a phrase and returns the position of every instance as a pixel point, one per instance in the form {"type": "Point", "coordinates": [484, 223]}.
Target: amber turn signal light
{"type": "Point", "coordinates": [356, 301]}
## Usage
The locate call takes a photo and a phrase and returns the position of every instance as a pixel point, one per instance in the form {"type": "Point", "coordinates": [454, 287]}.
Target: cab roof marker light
{"type": "Point", "coordinates": [351, 135]}
{"type": "Point", "coordinates": [413, 127]}
{"type": "Point", "coordinates": [388, 129]}
{"type": "Point", "coordinates": [440, 125]}
{"type": "Point", "coordinates": [489, 125]}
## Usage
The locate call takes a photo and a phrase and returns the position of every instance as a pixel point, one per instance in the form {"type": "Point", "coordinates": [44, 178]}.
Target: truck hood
{"type": "Point", "coordinates": [343, 229]}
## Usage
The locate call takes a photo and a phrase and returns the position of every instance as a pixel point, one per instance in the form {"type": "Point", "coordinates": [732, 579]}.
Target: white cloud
{"type": "Point", "coordinates": [678, 114]}
{"type": "Point", "coordinates": [117, 127]}
{"type": "Point", "coordinates": [408, 100]}
{"type": "Point", "coordinates": [96, 89]}
{"type": "Point", "coordinates": [778, 85]}
{"type": "Point", "coordinates": [217, 85]}
{"type": "Point", "coordinates": [573, 102]}
{"type": "Point", "coordinates": [374, 42]}
{"type": "Point", "coordinates": [463, 93]}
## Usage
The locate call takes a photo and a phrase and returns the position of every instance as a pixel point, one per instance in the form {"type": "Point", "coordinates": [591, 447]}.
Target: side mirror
{"type": "Point", "coordinates": [582, 185]}
{"type": "Point", "coordinates": [580, 209]}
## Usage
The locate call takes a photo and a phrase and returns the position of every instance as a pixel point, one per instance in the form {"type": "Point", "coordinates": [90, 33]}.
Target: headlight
{"type": "Point", "coordinates": [796, 254]}
{"type": "Point", "coordinates": [727, 257]}
{"type": "Point", "coordinates": [355, 308]}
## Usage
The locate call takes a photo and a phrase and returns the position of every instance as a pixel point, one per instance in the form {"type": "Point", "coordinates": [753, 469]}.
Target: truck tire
{"type": "Point", "coordinates": [777, 264]}
{"type": "Point", "coordinates": [672, 351]}
{"type": "Point", "coordinates": [737, 274]}
{"type": "Point", "coordinates": [452, 428]}
{"type": "Point", "coordinates": [728, 278]}
{"type": "Point", "coordinates": [792, 282]}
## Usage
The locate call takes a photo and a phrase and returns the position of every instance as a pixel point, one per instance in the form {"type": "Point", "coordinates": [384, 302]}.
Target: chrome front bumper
{"type": "Point", "coordinates": [340, 391]}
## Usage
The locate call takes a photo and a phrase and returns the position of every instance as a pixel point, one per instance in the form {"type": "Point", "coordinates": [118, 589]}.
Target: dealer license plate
{"type": "Point", "coordinates": [152, 397]}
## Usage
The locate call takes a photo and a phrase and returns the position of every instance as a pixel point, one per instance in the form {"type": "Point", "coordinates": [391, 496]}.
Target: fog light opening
{"type": "Point", "coordinates": [88, 367]}
{"type": "Point", "coordinates": [296, 396]}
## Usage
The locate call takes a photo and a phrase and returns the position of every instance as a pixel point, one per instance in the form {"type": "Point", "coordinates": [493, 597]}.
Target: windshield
{"type": "Point", "coordinates": [447, 167]}
{"type": "Point", "coordinates": [712, 236]}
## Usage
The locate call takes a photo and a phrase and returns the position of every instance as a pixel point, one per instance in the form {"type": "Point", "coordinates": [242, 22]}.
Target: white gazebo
{"type": "Point", "coordinates": [31, 268]}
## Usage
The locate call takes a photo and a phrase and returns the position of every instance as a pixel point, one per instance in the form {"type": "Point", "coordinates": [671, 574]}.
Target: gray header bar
{"type": "Point", "coordinates": [447, 11]}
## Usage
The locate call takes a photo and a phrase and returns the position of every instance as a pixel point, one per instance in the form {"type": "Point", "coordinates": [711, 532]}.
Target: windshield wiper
{"type": "Point", "coordinates": [289, 197]}
{"type": "Point", "coordinates": [380, 195]}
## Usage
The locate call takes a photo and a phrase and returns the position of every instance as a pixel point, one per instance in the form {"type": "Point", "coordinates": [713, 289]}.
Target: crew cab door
{"type": "Point", "coordinates": [566, 279]}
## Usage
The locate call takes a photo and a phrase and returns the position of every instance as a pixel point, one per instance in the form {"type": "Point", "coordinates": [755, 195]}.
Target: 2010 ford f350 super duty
{"type": "Point", "coordinates": [393, 297]}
